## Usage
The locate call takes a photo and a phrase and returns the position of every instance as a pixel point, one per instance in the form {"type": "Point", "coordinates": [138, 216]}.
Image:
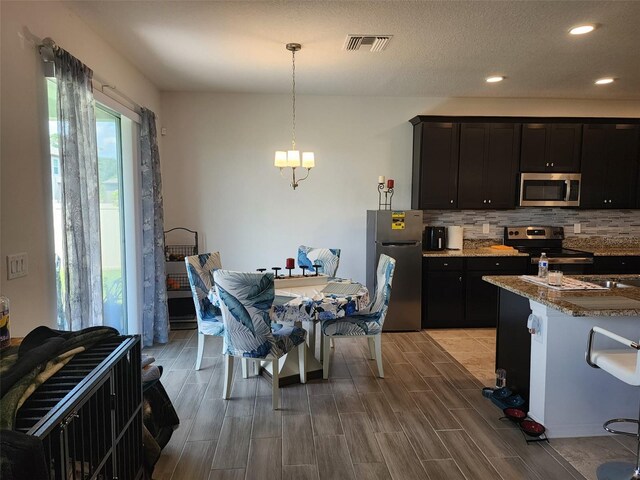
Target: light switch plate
{"type": "Point", "coordinates": [17, 265]}
{"type": "Point", "coordinates": [577, 228]}
{"type": "Point", "coordinates": [485, 227]}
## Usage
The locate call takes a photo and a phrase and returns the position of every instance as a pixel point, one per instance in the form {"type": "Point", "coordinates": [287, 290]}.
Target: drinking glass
{"type": "Point", "coordinates": [555, 277]}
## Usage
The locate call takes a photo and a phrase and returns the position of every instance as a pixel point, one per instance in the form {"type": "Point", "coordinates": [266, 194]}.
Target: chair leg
{"type": "Point", "coordinates": [372, 353]}
{"type": "Point", "coordinates": [333, 344]}
{"type": "Point", "coordinates": [228, 376]}
{"type": "Point", "coordinates": [325, 358]}
{"type": "Point", "coordinates": [200, 350]}
{"type": "Point", "coordinates": [245, 368]}
{"type": "Point", "coordinates": [256, 367]}
{"type": "Point", "coordinates": [322, 339]}
{"type": "Point", "coordinates": [377, 339]}
{"type": "Point", "coordinates": [311, 336]}
{"type": "Point", "coordinates": [275, 385]}
{"type": "Point", "coordinates": [302, 362]}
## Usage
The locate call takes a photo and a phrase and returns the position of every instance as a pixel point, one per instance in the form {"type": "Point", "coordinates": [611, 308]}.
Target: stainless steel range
{"type": "Point", "coordinates": [535, 240]}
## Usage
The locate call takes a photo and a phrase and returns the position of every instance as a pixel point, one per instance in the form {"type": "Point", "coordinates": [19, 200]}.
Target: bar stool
{"type": "Point", "coordinates": [624, 365]}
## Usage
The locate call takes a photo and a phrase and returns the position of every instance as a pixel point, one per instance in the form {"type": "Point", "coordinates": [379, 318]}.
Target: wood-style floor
{"type": "Point", "coordinates": [426, 419]}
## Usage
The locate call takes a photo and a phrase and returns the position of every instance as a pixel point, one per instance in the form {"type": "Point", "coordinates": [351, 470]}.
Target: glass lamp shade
{"type": "Point", "coordinates": [293, 158]}
{"type": "Point", "coordinates": [308, 160]}
{"type": "Point", "coordinates": [280, 159]}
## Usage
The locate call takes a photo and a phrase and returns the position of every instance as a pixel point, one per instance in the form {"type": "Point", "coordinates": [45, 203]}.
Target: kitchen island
{"type": "Point", "coordinates": [566, 395]}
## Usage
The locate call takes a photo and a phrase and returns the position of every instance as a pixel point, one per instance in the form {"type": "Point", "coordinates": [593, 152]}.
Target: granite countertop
{"type": "Point", "coordinates": [613, 252]}
{"type": "Point", "coordinates": [560, 300]}
{"type": "Point", "coordinates": [474, 252]}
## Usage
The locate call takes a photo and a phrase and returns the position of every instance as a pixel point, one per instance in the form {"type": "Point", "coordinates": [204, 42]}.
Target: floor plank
{"type": "Point", "coordinates": [435, 411]}
{"type": "Point", "coordinates": [297, 440]}
{"type": "Point", "coordinates": [371, 471]}
{"type": "Point", "coordinates": [299, 472]}
{"type": "Point", "coordinates": [235, 474]}
{"type": "Point", "coordinates": [333, 458]}
{"type": "Point", "coordinates": [195, 461]}
{"type": "Point", "coordinates": [380, 414]}
{"type": "Point", "coordinates": [233, 443]}
{"type": "Point", "coordinates": [400, 458]}
{"type": "Point", "coordinates": [422, 436]}
{"type": "Point", "coordinates": [360, 438]}
{"type": "Point", "coordinates": [265, 459]}
{"type": "Point", "coordinates": [324, 415]}
{"type": "Point", "coordinates": [468, 456]}
{"type": "Point", "coordinates": [267, 423]}
{"type": "Point", "coordinates": [444, 470]}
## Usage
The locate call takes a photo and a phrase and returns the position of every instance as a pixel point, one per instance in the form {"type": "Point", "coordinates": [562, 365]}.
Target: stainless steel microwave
{"type": "Point", "coordinates": [550, 189]}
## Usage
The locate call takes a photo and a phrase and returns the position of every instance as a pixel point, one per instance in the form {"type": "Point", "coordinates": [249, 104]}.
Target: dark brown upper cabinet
{"type": "Point", "coordinates": [435, 165]}
{"type": "Point", "coordinates": [610, 166]}
{"type": "Point", "coordinates": [488, 165]}
{"type": "Point", "coordinates": [550, 147]}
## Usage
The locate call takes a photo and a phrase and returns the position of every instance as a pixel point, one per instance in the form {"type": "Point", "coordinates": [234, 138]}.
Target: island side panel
{"type": "Point", "coordinates": [513, 342]}
{"type": "Point", "coordinates": [568, 397]}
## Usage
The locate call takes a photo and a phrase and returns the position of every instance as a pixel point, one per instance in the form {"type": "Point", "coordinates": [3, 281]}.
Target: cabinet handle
{"type": "Point", "coordinates": [547, 164]}
{"type": "Point", "coordinates": [497, 264]}
{"type": "Point", "coordinates": [552, 164]}
{"type": "Point", "coordinates": [605, 201]}
{"type": "Point", "coordinates": [489, 201]}
{"type": "Point", "coordinates": [459, 279]}
{"type": "Point", "coordinates": [484, 201]}
{"type": "Point", "coordinates": [623, 263]}
{"type": "Point", "coordinates": [445, 264]}
{"type": "Point", "coordinates": [451, 201]}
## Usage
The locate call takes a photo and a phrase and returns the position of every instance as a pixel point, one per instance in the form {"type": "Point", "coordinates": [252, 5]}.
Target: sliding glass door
{"type": "Point", "coordinates": [112, 220]}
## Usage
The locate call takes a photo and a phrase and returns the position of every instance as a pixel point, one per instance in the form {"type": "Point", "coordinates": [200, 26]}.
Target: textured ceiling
{"type": "Point", "coordinates": [438, 48]}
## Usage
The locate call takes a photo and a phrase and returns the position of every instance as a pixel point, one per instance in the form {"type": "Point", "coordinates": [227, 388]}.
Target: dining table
{"type": "Point", "coordinates": [308, 306]}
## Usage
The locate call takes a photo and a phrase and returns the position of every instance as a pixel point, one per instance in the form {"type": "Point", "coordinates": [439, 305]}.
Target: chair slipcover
{"type": "Point", "coordinates": [200, 272]}
{"type": "Point", "coordinates": [327, 258]}
{"type": "Point", "coordinates": [245, 300]}
{"type": "Point", "coordinates": [370, 320]}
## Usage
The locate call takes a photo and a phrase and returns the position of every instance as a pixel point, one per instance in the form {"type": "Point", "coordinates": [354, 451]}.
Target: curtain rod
{"type": "Point", "coordinates": [48, 46]}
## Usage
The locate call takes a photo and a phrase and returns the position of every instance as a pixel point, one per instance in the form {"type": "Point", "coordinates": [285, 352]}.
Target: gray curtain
{"type": "Point", "coordinates": [155, 317]}
{"type": "Point", "coordinates": [81, 267]}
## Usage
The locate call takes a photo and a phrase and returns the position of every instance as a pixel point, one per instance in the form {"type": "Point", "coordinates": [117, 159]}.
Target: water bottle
{"type": "Point", "coordinates": [543, 265]}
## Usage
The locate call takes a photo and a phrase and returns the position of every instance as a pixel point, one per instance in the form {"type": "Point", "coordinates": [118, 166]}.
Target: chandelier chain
{"type": "Point", "coordinates": [293, 96]}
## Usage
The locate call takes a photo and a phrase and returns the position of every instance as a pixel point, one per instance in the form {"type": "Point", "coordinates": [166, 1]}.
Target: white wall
{"type": "Point", "coordinates": [25, 189]}
{"type": "Point", "coordinates": [218, 176]}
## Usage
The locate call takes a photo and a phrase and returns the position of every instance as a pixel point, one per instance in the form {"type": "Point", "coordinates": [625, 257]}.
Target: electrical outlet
{"type": "Point", "coordinates": [485, 227]}
{"type": "Point", "coordinates": [577, 228]}
{"type": "Point", "coordinates": [17, 265]}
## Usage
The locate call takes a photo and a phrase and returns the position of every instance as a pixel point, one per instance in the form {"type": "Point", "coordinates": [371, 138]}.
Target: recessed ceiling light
{"type": "Point", "coordinates": [582, 29]}
{"type": "Point", "coordinates": [605, 81]}
{"type": "Point", "coordinates": [494, 79]}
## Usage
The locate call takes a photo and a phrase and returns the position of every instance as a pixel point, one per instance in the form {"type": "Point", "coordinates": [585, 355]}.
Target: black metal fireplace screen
{"type": "Point", "coordinates": [89, 414]}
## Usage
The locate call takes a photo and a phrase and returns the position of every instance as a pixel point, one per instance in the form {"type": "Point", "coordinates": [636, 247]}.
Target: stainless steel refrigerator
{"type": "Point", "coordinates": [399, 235]}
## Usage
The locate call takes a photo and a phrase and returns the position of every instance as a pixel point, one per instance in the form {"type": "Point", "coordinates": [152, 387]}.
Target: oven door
{"type": "Point", "coordinates": [567, 265]}
{"type": "Point", "coordinates": [550, 189]}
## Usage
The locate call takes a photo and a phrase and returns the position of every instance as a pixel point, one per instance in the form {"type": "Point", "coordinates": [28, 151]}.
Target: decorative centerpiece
{"type": "Point", "coordinates": [388, 193]}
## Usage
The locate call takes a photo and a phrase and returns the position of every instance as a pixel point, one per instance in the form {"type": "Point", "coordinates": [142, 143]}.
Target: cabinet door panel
{"type": "Point", "coordinates": [481, 300]}
{"type": "Point", "coordinates": [594, 150]}
{"type": "Point", "coordinates": [533, 149]}
{"type": "Point", "coordinates": [609, 166]}
{"type": "Point", "coordinates": [444, 301]}
{"type": "Point", "coordinates": [564, 147]}
{"type": "Point", "coordinates": [501, 166]}
{"type": "Point", "coordinates": [622, 166]}
{"type": "Point", "coordinates": [473, 145]}
{"type": "Point", "coordinates": [439, 165]}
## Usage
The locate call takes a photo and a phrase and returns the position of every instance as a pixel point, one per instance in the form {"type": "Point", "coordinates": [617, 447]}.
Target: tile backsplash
{"type": "Point", "coordinates": [593, 223]}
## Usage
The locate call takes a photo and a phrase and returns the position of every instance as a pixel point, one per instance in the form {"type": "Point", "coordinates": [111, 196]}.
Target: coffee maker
{"type": "Point", "coordinates": [434, 238]}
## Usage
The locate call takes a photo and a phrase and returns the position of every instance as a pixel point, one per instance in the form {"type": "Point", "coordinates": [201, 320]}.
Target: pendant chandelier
{"type": "Point", "coordinates": [291, 158]}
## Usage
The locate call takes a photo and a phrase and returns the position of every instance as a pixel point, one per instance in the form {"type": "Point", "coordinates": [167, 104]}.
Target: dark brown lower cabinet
{"type": "Point", "coordinates": [454, 294]}
{"type": "Point", "coordinates": [623, 264]}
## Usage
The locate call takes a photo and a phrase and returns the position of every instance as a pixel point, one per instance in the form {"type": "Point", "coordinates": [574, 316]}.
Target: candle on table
{"type": "Point", "coordinates": [390, 183]}
{"type": "Point", "coordinates": [290, 263]}
{"type": "Point", "coordinates": [381, 179]}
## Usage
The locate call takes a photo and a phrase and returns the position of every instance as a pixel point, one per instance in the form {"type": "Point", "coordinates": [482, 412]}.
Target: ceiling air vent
{"type": "Point", "coordinates": [374, 43]}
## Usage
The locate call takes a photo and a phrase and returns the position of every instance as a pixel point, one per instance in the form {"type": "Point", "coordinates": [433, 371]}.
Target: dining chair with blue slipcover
{"type": "Point", "coordinates": [367, 322]}
{"type": "Point", "coordinates": [245, 301]}
{"type": "Point", "coordinates": [200, 273]}
{"type": "Point", "coordinates": [327, 258]}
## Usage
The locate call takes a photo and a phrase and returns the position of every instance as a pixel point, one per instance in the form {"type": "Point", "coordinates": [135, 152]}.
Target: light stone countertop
{"type": "Point", "coordinates": [557, 299]}
{"type": "Point", "coordinates": [474, 252]}
{"type": "Point", "coordinates": [612, 252]}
